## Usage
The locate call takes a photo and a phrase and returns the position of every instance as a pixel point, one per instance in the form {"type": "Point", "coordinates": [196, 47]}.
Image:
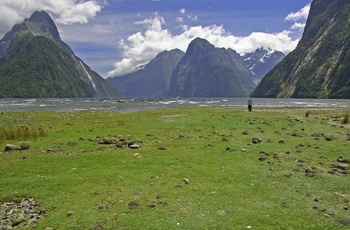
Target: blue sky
{"type": "Point", "coordinates": [114, 37]}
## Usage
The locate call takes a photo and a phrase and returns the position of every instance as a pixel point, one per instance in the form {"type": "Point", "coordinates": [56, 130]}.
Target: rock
{"type": "Point", "coordinates": [70, 213]}
{"type": "Point", "coordinates": [49, 150]}
{"type": "Point", "coordinates": [309, 174]}
{"type": "Point", "coordinates": [256, 140]}
{"type": "Point", "coordinates": [162, 148]}
{"type": "Point", "coordinates": [133, 205]}
{"type": "Point", "coordinates": [343, 160]}
{"type": "Point", "coordinates": [10, 147]}
{"type": "Point", "coordinates": [341, 166]}
{"type": "Point", "coordinates": [310, 170]}
{"type": "Point", "coordinates": [19, 215]}
{"type": "Point", "coordinates": [344, 221]}
{"type": "Point", "coordinates": [24, 146]}
{"type": "Point", "coordinates": [245, 132]}
{"type": "Point", "coordinates": [151, 204]}
{"type": "Point", "coordinates": [134, 146]}
{"type": "Point", "coordinates": [72, 143]}
{"type": "Point", "coordinates": [187, 181]}
{"type": "Point", "coordinates": [230, 149]}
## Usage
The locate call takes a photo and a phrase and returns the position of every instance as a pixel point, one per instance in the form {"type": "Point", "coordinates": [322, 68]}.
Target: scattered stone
{"type": "Point", "coordinates": [256, 140]}
{"type": "Point", "coordinates": [10, 147]}
{"type": "Point", "coordinates": [310, 170]}
{"type": "Point", "coordinates": [162, 148]}
{"type": "Point", "coordinates": [276, 156]}
{"type": "Point", "coordinates": [230, 149]}
{"type": "Point", "coordinates": [70, 213]}
{"type": "Point", "coordinates": [343, 160]}
{"type": "Point", "coordinates": [49, 150]}
{"type": "Point", "coordinates": [229, 212]}
{"type": "Point", "coordinates": [134, 146]}
{"type": "Point", "coordinates": [72, 143]}
{"type": "Point", "coordinates": [133, 205]}
{"type": "Point", "coordinates": [262, 158]}
{"type": "Point", "coordinates": [24, 146]}
{"type": "Point", "coordinates": [341, 166]}
{"type": "Point", "coordinates": [309, 174]}
{"type": "Point", "coordinates": [187, 181]}
{"type": "Point", "coordinates": [288, 174]}
{"type": "Point", "coordinates": [98, 228]}
{"type": "Point", "coordinates": [151, 204]}
{"type": "Point", "coordinates": [225, 139]}
{"type": "Point", "coordinates": [21, 214]}
{"type": "Point", "coordinates": [245, 132]}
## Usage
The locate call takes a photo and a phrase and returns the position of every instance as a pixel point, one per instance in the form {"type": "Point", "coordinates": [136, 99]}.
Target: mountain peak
{"type": "Point", "coordinates": [199, 46]}
{"type": "Point", "coordinates": [40, 23]}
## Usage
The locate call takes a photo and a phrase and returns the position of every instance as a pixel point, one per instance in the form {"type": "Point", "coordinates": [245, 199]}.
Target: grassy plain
{"type": "Point", "coordinates": [196, 169]}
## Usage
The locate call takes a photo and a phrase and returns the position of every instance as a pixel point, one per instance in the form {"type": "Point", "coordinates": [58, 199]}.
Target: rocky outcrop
{"type": "Point", "coordinates": [20, 214]}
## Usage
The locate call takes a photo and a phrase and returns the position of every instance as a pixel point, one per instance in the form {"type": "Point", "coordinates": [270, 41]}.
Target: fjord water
{"type": "Point", "coordinates": [134, 105]}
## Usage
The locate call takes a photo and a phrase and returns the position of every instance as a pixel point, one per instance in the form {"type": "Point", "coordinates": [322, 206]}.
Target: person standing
{"type": "Point", "coordinates": [250, 105]}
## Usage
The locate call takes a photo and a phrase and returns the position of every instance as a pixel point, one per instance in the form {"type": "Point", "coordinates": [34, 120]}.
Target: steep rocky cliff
{"type": "Point", "coordinates": [320, 65]}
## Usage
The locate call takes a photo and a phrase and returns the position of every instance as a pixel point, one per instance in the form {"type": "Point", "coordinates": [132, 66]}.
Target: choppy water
{"type": "Point", "coordinates": [132, 105]}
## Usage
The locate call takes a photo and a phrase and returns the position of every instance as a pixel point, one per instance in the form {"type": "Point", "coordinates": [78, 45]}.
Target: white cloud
{"type": "Point", "coordinates": [67, 11]}
{"type": "Point", "coordinates": [193, 17]}
{"type": "Point", "coordinates": [298, 26]}
{"type": "Point", "coordinates": [141, 47]}
{"type": "Point", "coordinates": [300, 15]}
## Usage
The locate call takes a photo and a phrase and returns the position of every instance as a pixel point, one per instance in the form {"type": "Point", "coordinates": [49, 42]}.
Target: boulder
{"type": "Point", "coordinates": [341, 166]}
{"type": "Point", "coordinates": [10, 147]}
{"type": "Point", "coordinates": [343, 160]}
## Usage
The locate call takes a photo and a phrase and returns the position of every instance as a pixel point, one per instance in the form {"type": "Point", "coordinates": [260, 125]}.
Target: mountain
{"type": "Point", "coordinates": [261, 61]}
{"type": "Point", "coordinates": [206, 71]}
{"type": "Point", "coordinates": [35, 62]}
{"type": "Point", "coordinates": [153, 80]}
{"type": "Point", "coordinates": [320, 65]}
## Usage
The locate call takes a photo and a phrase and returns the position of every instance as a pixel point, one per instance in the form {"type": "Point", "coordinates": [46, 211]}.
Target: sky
{"type": "Point", "coordinates": [116, 37]}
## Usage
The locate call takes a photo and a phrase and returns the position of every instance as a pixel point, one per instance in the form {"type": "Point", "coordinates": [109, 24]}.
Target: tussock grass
{"type": "Point", "coordinates": [345, 119]}
{"type": "Point", "coordinates": [209, 176]}
{"type": "Point", "coordinates": [8, 133]}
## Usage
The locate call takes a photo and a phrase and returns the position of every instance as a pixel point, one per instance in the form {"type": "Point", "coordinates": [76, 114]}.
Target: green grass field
{"type": "Point", "coordinates": [195, 168]}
